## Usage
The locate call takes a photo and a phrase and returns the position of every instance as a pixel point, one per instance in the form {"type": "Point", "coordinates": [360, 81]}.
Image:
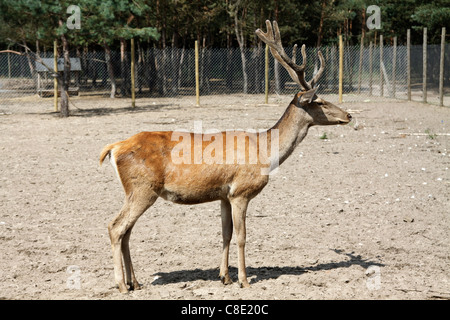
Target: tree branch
{"type": "Point", "coordinates": [32, 55]}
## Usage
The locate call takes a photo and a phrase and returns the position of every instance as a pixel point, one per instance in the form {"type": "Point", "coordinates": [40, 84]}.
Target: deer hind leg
{"type": "Point", "coordinates": [239, 211]}
{"type": "Point", "coordinates": [129, 271]}
{"type": "Point", "coordinates": [227, 232]}
{"type": "Point", "coordinates": [116, 232]}
{"type": "Point", "coordinates": [119, 232]}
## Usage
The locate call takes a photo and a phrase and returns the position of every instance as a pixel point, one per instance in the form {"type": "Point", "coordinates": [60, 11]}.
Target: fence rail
{"type": "Point", "coordinates": [369, 71]}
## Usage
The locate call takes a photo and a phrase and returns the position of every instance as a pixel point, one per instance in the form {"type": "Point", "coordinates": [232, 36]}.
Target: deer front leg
{"type": "Point", "coordinates": [227, 232]}
{"type": "Point", "coordinates": [239, 211]}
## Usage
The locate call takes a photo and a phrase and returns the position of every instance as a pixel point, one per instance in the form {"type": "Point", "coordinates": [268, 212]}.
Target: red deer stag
{"type": "Point", "coordinates": [148, 166]}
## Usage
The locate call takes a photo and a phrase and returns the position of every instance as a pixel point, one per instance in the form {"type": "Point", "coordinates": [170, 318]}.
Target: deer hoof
{"type": "Point", "coordinates": [226, 279]}
{"type": "Point", "coordinates": [123, 289]}
{"type": "Point", "coordinates": [135, 286]}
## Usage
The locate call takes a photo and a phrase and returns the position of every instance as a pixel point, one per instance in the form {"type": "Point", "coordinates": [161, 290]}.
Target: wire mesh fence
{"type": "Point", "coordinates": [369, 72]}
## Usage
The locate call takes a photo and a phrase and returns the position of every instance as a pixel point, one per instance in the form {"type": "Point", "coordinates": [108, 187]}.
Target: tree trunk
{"type": "Point", "coordinates": [33, 73]}
{"type": "Point", "coordinates": [204, 69]}
{"type": "Point", "coordinates": [240, 39]}
{"type": "Point", "coordinates": [229, 66]}
{"type": "Point", "coordinates": [64, 81]}
{"type": "Point", "coordinates": [276, 69]}
{"type": "Point", "coordinates": [84, 65]}
{"type": "Point", "coordinates": [109, 66]}
{"type": "Point", "coordinates": [161, 72]}
{"type": "Point", "coordinates": [258, 55]}
{"type": "Point", "coordinates": [92, 69]}
{"type": "Point", "coordinates": [322, 17]}
{"type": "Point", "coordinates": [180, 64]}
{"type": "Point", "coordinates": [256, 85]}
{"type": "Point", "coordinates": [151, 69]}
{"type": "Point", "coordinates": [125, 88]}
{"type": "Point", "coordinates": [140, 64]}
{"type": "Point", "coordinates": [162, 54]}
{"type": "Point", "coordinates": [174, 65]}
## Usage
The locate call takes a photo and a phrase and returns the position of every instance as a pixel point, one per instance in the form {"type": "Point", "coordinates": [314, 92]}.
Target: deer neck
{"type": "Point", "coordinates": [292, 129]}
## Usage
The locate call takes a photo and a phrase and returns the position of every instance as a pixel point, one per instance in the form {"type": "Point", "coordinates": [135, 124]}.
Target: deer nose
{"type": "Point", "coordinates": [349, 116]}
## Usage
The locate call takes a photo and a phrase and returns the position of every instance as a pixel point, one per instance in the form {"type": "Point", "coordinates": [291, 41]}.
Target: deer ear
{"type": "Point", "coordinates": [309, 95]}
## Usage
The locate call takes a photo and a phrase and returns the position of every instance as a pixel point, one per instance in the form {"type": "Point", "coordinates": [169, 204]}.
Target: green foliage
{"type": "Point", "coordinates": [101, 21]}
{"type": "Point", "coordinates": [180, 22]}
{"type": "Point", "coordinates": [434, 16]}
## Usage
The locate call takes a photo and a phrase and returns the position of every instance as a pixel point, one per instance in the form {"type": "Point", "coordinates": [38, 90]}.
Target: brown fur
{"type": "Point", "coordinates": [147, 171]}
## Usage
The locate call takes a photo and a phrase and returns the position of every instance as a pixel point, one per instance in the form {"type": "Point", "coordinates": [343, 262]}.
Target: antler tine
{"type": "Point", "coordinates": [299, 70]}
{"type": "Point", "coordinates": [268, 36]}
{"type": "Point", "coordinates": [294, 53]}
{"type": "Point", "coordinates": [273, 39]}
{"type": "Point", "coordinates": [313, 81]}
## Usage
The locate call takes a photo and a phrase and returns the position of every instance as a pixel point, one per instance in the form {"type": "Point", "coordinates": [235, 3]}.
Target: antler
{"type": "Point", "coordinates": [297, 73]}
{"type": "Point", "coordinates": [314, 80]}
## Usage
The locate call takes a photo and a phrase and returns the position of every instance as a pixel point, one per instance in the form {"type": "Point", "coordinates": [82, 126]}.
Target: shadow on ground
{"type": "Point", "coordinates": [262, 273]}
{"type": "Point", "coordinates": [94, 112]}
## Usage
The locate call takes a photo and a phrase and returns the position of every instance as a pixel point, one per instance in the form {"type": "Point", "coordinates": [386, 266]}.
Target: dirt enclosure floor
{"type": "Point", "coordinates": [357, 212]}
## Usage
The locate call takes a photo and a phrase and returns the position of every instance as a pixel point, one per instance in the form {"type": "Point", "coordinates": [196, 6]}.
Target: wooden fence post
{"type": "Point", "coordinates": [370, 67]}
{"type": "Point", "coordinates": [341, 67]}
{"type": "Point", "coordinates": [381, 66]}
{"type": "Point", "coordinates": [266, 73]}
{"type": "Point", "coordinates": [408, 62]}
{"type": "Point", "coordinates": [361, 52]}
{"type": "Point", "coordinates": [55, 80]}
{"type": "Point", "coordinates": [197, 81]}
{"type": "Point", "coordinates": [424, 75]}
{"type": "Point", "coordinates": [9, 63]}
{"type": "Point", "coordinates": [394, 64]}
{"type": "Point", "coordinates": [441, 71]}
{"type": "Point", "coordinates": [133, 94]}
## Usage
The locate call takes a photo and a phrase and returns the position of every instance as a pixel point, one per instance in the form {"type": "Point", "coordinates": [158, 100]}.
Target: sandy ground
{"type": "Point", "coordinates": [363, 214]}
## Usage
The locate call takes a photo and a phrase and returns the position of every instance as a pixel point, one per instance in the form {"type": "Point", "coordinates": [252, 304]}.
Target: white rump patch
{"type": "Point", "coordinates": [113, 161]}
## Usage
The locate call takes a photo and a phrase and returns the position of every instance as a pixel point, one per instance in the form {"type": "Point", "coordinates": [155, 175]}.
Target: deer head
{"type": "Point", "coordinates": [321, 112]}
